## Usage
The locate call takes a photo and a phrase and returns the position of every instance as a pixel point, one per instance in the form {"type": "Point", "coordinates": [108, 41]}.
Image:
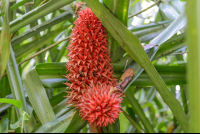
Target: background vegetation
{"type": "Point", "coordinates": [148, 36]}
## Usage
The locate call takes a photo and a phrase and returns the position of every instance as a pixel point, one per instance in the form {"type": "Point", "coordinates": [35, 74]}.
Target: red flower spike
{"type": "Point", "coordinates": [99, 107]}
{"type": "Point", "coordinates": [89, 59]}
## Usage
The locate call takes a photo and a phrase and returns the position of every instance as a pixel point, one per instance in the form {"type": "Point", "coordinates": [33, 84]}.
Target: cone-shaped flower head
{"type": "Point", "coordinates": [89, 59]}
{"type": "Point", "coordinates": [99, 107]}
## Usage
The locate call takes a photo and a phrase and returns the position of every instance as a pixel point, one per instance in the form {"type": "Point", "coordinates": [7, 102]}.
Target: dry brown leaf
{"type": "Point", "coordinates": [126, 78]}
{"type": "Point", "coordinates": [78, 5]}
{"type": "Point", "coordinates": [123, 95]}
{"type": "Point", "coordinates": [127, 73]}
{"type": "Point", "coordinates": [125, 82]}
{"type": "Point", "coordinates": [113, 89]}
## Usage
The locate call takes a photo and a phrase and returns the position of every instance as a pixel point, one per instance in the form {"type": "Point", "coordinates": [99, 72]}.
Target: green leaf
{"type": "Point", "coordinates": [169, 11]}
{"type": "Point", "coordinates": [35, 30]}
{"type": "Point", "coordinates": [51, 74]}
{"type": "Point", "coordinates": [55, 100]}
{"type": "Point", "coordinates": [120, 10]}
{"type": "Point", "coordinates": [105, 129]}
{"type": "Point", "coordinates": [36, 3]}
{"type": "Point", "coordinates": [114, 127]}
{"type": "Point", "coordinates": [178, 130]}
{"type": "Point", "coordinates": [147, 26]}
{"type": "Point", "coordinates": [17, 88]}
{"type": "Point", "coordinates": [139, 111]}
{"type": "Point", "coordinates": [174, 27]}
{"type": "Point", "coordinates": [25, 49]}
{"type": "Point", "coordinates": [15, 81]}
{"type": "Point", "coordinates": [4, 123]}
{"type": "Point", "coordinates": [184, 98]}
{"type": "Point", "coordinates": [174, 44]}
{"type": "Point", "coordinates": [136, 1]}
{"type": "Point", "coordinates": [132, 121]}
{"type": "Point", "coordinates": [38, 97]}
{"type": "Point", "coordinates": [61, 108]}
{"type": "Point", "coordinates": [15, 6]}
{"type": "Point", "coordinates": [151, 30]}
{"type": "Point", "coordinates": [37, 13]}
{"type": "Point", "coordinates": [51, 68]}
{"type": "Point", "coordinates": [193, 42]}
{"type": "Point", "coordinates": [16, 124]}
{"type": "Point", "coordinates": [160, 41]}
{"type": "Point", "coordinates": [16, 103]}
{"type": "Point", "coordinates": [4, 106]}
{"type": "Point", "coordinates": [58, 125]}
{"type": "Point", "coordinates": [25, 116]}
{"type": "Point", "coordinates": [5, 38]}
{"type": "Point", "coordinates": [21, 3]}
{"type": "Point", "coordinates": [4, 86]}
{"type": "Point", "coordinates": [76, 124]}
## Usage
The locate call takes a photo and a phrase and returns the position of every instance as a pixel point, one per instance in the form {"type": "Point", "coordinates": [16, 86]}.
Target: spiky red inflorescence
{"type": "Point", "coordinates": [99, 107]}
{"type": "Point", "coordinates": [89, 59]}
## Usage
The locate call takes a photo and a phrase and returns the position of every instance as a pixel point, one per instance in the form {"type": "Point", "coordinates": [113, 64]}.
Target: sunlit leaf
{"type": "Point", "coordinates": [16, 103]}
{"type": "Point", "coordinates": [25, 116]}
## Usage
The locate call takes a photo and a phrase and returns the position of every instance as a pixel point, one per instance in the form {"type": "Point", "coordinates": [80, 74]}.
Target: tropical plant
{"type": "Point", "coordinates": [147, 49]}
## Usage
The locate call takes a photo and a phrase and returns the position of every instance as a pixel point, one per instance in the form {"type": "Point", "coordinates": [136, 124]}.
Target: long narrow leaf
{"type": "Point", "coordinates": [76, 124]}
{"type": "Point", "coordinates": [138, 110]}
{"type": "Point", "coordinates": [51, 75]}
{"type": "Point", "coordinates": [193, 42]}
{"type": "Point", "coordinates": [158, 41]}
{"type": "Point", "coordinates": [58, 125]}
{"type": "Point", "coordinates": [17, 88]}
{"type": "Point", "coordinates": [38, 43]}
{"type": "Point", "coordinates": [55, 100]}
{"type": "Point", "coordinates": [38, 97]}
{"type": "Point", "coordinates": [120, 10]}
{"type": "Point", "coordinates": [174, 44]}
{"type": "Point", "coordinates": [61, 108]}
{"type": "Point", "coordinates": [147, 26]}
{"type": "Point", "coordinates": [15, 6]}
{"type": "Point", "coordinates": [35, 30]}
{"type": "Point", "coordinates": [150, 30]}
{"type": "Point", "coordinates": [15, 81]}
{"type": "Point", "coordinates": [132, 122]}
{"type": "Point", "coordinates": [37, 13]}
{"type": "Point", "coordinates": [5, 38]}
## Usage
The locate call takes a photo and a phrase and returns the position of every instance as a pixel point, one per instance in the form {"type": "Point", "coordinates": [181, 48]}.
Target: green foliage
{"type": "Point", "coordinates": [38, 97]}
{"type": "Point", "coordinates": [152, 43]}
{"type": "Point", "coordinates": [193, 65]}
{"type": "Point", "coordinates": [115, 127]}
{"type": "Point", "coordinates": [5, 38]}
{"type": "Point", "coordinates": [4, 123]}
{"type": "Point", "coordinates": [16, 103]}
{"type": "Point", "coordinates": [76, 124]}
{"type": "Point", "coordinates": [136, 1]}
